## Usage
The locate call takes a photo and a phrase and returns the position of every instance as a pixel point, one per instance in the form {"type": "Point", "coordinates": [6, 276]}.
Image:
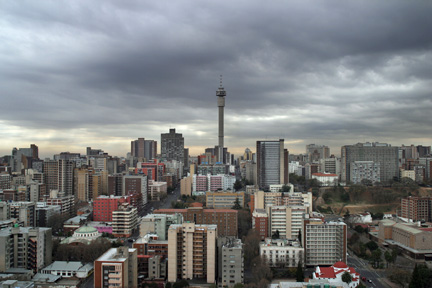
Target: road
{"type": "Point", "coordinates": [362, 267]}
{"type": "Point", "coordinates": [166, 203]}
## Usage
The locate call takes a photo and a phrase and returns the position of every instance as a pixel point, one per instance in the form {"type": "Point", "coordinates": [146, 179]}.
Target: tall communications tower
{"type": "Point", "coordinates": [220, 93]}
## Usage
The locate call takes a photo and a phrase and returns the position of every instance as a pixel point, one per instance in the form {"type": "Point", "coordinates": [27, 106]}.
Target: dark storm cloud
{"type": "Point", "coordinates": [326, 71]}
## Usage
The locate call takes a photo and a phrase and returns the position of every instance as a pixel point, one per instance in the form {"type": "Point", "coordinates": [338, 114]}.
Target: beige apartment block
{"type": "Point", "coordinates": [192, 252]}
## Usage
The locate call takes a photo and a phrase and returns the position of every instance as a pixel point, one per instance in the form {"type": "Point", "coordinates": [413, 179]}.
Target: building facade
{"type": "Point", "coordinates": [192, 252]}
{"type": "Point", "coordinates": [272, 163]}
{"type": "Point", "coordinates": [172, 146]}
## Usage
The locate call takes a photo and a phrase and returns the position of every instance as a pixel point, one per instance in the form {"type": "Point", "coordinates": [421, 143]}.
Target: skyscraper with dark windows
{"type": "Point", "coordinates": [272, 163]}
{"type": "Point", "coordinates": [172, 146]}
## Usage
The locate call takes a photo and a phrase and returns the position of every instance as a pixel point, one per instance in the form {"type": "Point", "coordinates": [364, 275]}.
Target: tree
{"type": "Point", "coordinates": [251, 246]}
{"type": "Point", "coordinates": [359, 229]}
{"type": "Point", "coordinates": [388, 257]}
{"type": "Point", "coordinates": [399, 276]}
{"type": "Point", "coordinates": [238, 285]}
{"type": "Point", "coordinates": [276, 235]}
{"type": "Point", "coordinates": [372, 245]}
{"type": "Point", "coordinates": [181, 284]}
{"type": "Point", "coordinates": [353, 239]}
{"type": "Point", "coordinates": [260, 270]}
{"type": "Point", "coordinates": [346, 277]}
{"type": "Point", "coordinates": [376, 257]}
{"type": "Point", "coordinates": [237, 205]}
{"type": "Point", "coordinates": [299, 272]}
{"type": "Point", "coordinates": [420, 277]}
{"type": "Point", "coordinates": [168, 285]}
{"type": "Point", "coordinates": [238, 185]}
{"type": "Point", "coordinates": [244, 220]}
{"type": "Point", "coordinates": [285, 188]}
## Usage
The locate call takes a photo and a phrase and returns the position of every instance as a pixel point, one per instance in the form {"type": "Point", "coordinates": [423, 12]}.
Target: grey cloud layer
{"type": "Point", "coordinates": [305, 70]}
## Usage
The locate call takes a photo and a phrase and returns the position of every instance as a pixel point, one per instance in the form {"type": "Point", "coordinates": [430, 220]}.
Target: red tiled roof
{"type": "Point", "coordinates": [340, 265]}
{"type": "Point", "coordinates": [326, 272]}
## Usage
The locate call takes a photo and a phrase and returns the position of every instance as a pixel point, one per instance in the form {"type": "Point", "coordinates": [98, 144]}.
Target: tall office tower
{"type": "Point", "coordinates": [65, 176]}
{"type": "Point", "coordinates": [317, 152]}
{"type": "Point", "coordinates": [172, 146]}
{"type": "Point", "coordinates": [115, 184]}
{"type": "Point", "coordinates": [25, 247]}
{"type": "Point", "coordinates": [118, 267]}
{"type": "Point", "coordinates": [220, 93]}
{"type": "Point", "coordinates": [94, 152]}
{"type": "Point", "coordinates": [423, 150]}
{"type": "Point", "coordinates": [137, 148]}
{"type": "Point", "coordinates": [150, 149]}
{"type": "Point", "coordinates": [382, 153]}
{"type": "Point", "coordinates": [325, 243]}
{"type": "Point", "coordinates": [22, 157]}
{"type": "Point", "coordinates": [50, 170]}
{"type": "Point", "coordinates": [192, 252]}
{"type": "Point", "coordinates": [272, 163]}
{"type": "Point", "coordinates": [136, 184]}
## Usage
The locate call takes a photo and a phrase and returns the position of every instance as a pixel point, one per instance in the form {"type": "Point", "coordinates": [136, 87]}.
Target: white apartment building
{"type": "Point", "coordinates": [124, 220]}
{"type": "Point", "coordinates": [287, 220]}
{"type": "Point", "coordinates": [281, 252]}
{"type": "Point", "coordinates": [325, 243]}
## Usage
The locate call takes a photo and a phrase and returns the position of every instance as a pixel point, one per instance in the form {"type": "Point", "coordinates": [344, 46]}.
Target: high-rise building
{"type": "Point", "coordinates": [25, 212]}
{"type": "Point", "coordinates": [136, 184]}
{"type": "Point", "coordinates": [118, 267]}
{"type": "Point", "coordinates": [124, 220]}
{"type": "Point", "coordinates": [231, 262]}
{"type": "Point", "coordinates": [272, 163]}
{"type": "Point", "coordinates": [144, 150]}
{"type": "Point", "coordinates": [137, 148]}
{"type": "Point", "coordinates": [417, 208]}
{"type": "Point", "coordinates": [59, 175]}
{"type": "Point", "coordinates": [172, 146]}
{"type": "Point", "coordinates": [325, 243]}
{"type": "Point", "coordinates": [192, 252]}
{"type": "Point", "coordinates": [22, 157]}
{"type": "Point", "coordinates": [50, 172]}
{"type": "Point", "coordinates": [25, 247]}
{"type": "Point", "coordinates": [317, 152]}
{"type": "Point", "coordinates": [115, 184]}
{"type": "Point", "coordinates": [384, 154]}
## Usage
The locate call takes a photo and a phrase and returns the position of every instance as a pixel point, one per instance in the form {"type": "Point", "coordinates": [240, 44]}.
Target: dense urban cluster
{"type": "Point", "coordinates": [170, 219]}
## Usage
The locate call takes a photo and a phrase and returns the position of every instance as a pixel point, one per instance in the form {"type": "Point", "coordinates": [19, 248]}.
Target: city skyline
{"type": "Point", "coordinates": [102, 74]}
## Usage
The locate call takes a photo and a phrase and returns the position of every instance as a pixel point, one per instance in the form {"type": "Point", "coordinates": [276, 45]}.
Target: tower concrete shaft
{"type": "Point", "coordinates": [220, 93]}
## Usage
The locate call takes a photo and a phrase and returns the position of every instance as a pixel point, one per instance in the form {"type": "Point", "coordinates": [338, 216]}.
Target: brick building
{"type": "Point", "coordinates": [225, 219]}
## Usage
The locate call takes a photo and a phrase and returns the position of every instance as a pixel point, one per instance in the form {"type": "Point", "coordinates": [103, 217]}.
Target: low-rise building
{"type": "Point", "coordinates": [68, 269]}
{"type": "Point", "coordinates": [281, 252]}
{"type": "Point", "coordinates": [414, 240]}
{"type": "Point", "coordinates": [334, 274]}
{"type": "Point", "coordinates": [326, 179]}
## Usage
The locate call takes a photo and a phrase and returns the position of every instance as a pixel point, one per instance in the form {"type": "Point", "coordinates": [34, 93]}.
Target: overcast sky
{"type": "Point", "coordinates": [102, 73]}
